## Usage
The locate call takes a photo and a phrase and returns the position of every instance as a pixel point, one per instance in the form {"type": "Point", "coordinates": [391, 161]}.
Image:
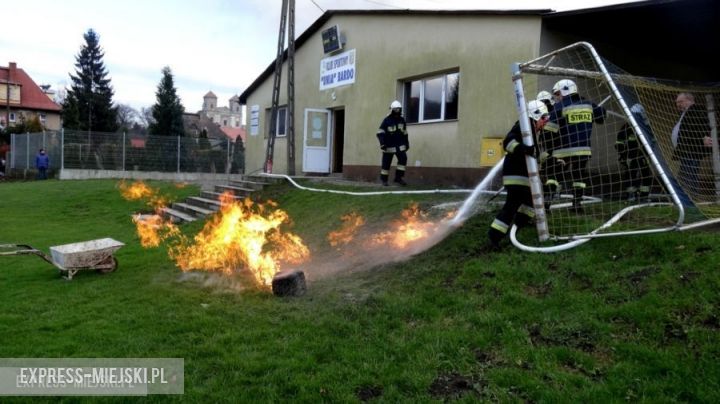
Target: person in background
{"type": "Point", "coordinates": [42, 162]}
{"type": "Point", "coordinates": [393, 138]}
{"type": "Point", "coordinates": [691, 142]}
{"type": "Point", "coordinates": [518, 203]}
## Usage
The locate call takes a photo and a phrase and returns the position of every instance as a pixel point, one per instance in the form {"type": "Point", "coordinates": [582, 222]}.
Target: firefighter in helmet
{"type": "Point", "coordinates": [551, 168]}
{"type": "Point", "coordinates": [634, 166]}
{"type": "Point", "coordinates": [518, 203]}
{"type": "Point", "coordinates": [393, 139]}
{"type": "Point", "coordinates": [574, 116]}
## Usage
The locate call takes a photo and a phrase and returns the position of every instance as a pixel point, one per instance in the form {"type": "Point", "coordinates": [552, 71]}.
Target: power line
{"type": "Point", "coordinates": [383, 4]}
{"type": "Point", "coordinates": [316, 5]}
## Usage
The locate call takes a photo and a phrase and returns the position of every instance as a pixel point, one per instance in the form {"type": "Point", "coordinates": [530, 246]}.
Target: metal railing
{"type": "Point", "coordinates": [126, 152]}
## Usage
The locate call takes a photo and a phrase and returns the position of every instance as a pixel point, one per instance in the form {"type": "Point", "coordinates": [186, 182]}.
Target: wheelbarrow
{"type": "Point", "coordinates": [71, 258]}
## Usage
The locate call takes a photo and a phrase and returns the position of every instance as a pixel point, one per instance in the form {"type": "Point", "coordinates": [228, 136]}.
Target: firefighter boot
{"type": "Point", "coordinates": [577, 200]}
{"type": "Point", "coordinates": [494, 238]}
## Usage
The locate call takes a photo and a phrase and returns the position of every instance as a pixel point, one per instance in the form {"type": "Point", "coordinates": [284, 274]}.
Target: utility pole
{"type": "Point", "coordinates": [7, 99]}
{"type": "Point", "coordinates": [286, 4]}
{"type": "Point", "coordinates": [90, 104]}
{"type": "Point", "coordinates": [291, 89]}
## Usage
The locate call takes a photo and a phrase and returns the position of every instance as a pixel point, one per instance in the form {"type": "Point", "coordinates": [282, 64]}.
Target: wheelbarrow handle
{"type": "Point", "coordinates": [24, 249]}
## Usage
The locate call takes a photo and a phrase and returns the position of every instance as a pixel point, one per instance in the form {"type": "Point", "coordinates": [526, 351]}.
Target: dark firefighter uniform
{"type": "Point", "coordinates": [634, 166]}
{"type": "Point", "coordinates": [575, 117]}
{"type": "Point", "coordinates": [551, 168]}
{"type": "Point", "coordinates": [394, 141]}
{"type": "Point", "coordinates": [518, 203]}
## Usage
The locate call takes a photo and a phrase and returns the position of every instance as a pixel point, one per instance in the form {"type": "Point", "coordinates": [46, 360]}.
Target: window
{"type": "Point", "coordinates": [224, 122]}
{"type": "Point", "coordinates": [281, 123]}
{"type": "Point", "coordinates": [12, 117]}
{"type": "Point", "coordinates": [43, 117]}
{"type": "Point", "coordinates": [432, 99]}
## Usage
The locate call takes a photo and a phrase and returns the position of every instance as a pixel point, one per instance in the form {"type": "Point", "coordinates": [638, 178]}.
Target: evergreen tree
{"type": "Point", "coordinates": [89, 104]}
{"type": "Point", "coordinates": [167, 111]}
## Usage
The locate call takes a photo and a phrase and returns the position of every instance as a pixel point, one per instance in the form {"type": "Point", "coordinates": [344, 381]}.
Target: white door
{"type": "Point", "coordinates": [316, 143]}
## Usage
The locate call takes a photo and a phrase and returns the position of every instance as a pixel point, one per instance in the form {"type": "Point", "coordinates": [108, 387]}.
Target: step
{"type": "Point", "coordinates": [264, 179]}
{"type": "Point", "coordinates": [177, 216]}
{"type": "Point", "coordinates": [255, 185]}
{"type": "Point", "coordinates": [235, 190]}
{"type": "Point", "coordinates": [190, 209]}
{"type": "Point", "coordinates": [205, 203]}
{"type": "Point", "coordinates": [216, 195]}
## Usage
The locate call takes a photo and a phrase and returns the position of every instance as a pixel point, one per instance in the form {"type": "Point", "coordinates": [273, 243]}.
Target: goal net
{"type": "Point", "coordinates": [626, 154]}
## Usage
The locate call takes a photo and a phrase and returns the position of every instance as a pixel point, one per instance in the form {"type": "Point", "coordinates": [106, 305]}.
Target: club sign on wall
{"type": "Point", "coordinates": [338, 70]}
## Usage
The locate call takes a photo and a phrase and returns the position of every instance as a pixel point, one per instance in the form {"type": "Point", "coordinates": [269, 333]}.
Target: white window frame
{"type": "Point", "coordinates": [12, 117]}
{"type": "Point", "coordinates": [277, 123]}
{"type": "Point", "coordinates": [421, 111]}
{"type": "Point", "coordinates": [42, 117]}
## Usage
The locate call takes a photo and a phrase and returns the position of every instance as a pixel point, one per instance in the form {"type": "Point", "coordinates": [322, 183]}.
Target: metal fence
{"type": "Point", "coordinates": [126, 152]}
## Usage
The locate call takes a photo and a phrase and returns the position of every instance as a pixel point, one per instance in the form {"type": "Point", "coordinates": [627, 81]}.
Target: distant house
{"type": "Point", "coordinates": [230, 116]}
{"type": "Point", "coordinates": [234, 133]}
{"type": "Point", "coordinates": [194, 125]}
{"type": "Point", "coordinates": [26, 100]}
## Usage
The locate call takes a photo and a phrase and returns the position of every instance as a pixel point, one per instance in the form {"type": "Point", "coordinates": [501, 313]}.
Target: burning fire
{"type": "Point", "coordinates": [153, 229]}
{"type": "Point", "coordinates": [242, 234]}
{"type": "Point", "coordinates": [414, 226]}
{"type": "Point", "coordinates": [346, 233]}
{"type": "Point", "coordinates": [139, 190]}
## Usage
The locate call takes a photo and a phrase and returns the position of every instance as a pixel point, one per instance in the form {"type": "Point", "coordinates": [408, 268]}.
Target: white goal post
{"type": "Point", "coordinates": [651, 164]}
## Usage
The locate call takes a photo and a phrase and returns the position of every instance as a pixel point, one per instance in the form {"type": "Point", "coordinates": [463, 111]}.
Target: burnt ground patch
{"type": "Point", "coordinates": [580, 338]}
{"type": "Point", "coordinates": [452, 386]}
{"type": "Point", "coordinates": [368, 392]}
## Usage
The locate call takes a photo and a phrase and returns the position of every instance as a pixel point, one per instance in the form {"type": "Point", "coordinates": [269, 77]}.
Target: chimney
{"type": "Point", "coordinates": [11, 70]}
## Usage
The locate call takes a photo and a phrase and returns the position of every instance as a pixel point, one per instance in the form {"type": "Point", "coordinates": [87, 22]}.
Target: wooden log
{"type": "Point", "coordinates": [289, 283]}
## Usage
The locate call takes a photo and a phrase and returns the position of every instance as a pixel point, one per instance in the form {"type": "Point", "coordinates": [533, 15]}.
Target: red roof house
{"type": "Point", "coordinates": [27, 99]}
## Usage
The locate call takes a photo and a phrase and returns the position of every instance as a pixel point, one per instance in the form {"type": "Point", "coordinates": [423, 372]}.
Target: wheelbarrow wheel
{"type": "Point", "coordinates": [109, 269]}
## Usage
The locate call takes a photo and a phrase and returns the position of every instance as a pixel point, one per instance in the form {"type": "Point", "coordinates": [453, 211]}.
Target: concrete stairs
{"type": "Point", "coordinates": [198, 207]}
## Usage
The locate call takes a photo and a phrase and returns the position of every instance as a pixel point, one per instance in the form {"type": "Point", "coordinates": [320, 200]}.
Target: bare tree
{"type": "Point", "coordinates": [146, 116]}
{"type": "Point", "coordinates": [126, 116]}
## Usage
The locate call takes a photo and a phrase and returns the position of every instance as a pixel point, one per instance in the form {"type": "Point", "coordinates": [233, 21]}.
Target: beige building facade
{"type": "Point", "coordinates": [451, 71]}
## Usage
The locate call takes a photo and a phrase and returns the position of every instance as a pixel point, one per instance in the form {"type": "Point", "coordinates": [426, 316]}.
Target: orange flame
{"type": "Point", "coordinates": [139, 190]}
{"type": "Point", "coordinates": [153, 229]}
{"type": "Point", "coordinates": [242, 234]}
{"type": "Point", "coordinates": [346, 233]}
{"type": "Point", "coordinates": [414, 226]}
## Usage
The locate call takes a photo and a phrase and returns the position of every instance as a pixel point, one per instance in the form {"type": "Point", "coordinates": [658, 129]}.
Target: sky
{"type": "Point", "coordinates": [210, 45]}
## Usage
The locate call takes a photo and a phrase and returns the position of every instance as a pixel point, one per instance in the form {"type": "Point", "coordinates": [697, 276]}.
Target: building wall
{"type": "Point", "coordinates": [390, 49]}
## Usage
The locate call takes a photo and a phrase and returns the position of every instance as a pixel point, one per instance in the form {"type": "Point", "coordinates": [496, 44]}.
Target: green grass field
{"type": "Point", "coordinates": [622, 319]}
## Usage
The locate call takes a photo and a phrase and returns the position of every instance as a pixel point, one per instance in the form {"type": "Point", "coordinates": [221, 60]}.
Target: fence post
{"type": "Point", "coordinates": [62, 150]}
{"type": "Point", "coordinates": [27, 151]}
{"type": "Point", "coordinates": [123, 158]}
{"type": "Point", "coordinates": [227, 163]}
{"type": "Point", "coordinates": [178, 154]}
{"type": "Point", "coordinates": [13, 144]}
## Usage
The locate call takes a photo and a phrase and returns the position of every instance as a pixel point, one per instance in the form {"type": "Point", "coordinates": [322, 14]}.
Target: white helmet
{"type": "Point", "coordinates": [536, 109]}
{"type": "Point", "coordinates": [565, 87]}
{"type": "Point", "coordinates": [395, 104]}
{"type": "Point", "coordinates": [640, 110]}
{"type": "Point", "coordinates": [545, 96]}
